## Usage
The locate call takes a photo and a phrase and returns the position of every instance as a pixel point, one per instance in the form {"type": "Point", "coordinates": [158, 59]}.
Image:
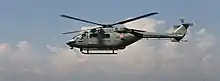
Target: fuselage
{"type": "Point", "coordinates": [103, 41]}
{"type": "Point", "coordinates": [117, 38]}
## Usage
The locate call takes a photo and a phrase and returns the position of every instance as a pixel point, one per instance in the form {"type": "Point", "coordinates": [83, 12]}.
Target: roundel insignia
{"type": "Point", "coordinates": [121, 36]}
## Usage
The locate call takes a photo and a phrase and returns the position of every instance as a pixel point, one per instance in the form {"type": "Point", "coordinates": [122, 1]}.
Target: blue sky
{"type": "Point", "coordinates": [39, 21]}
{"type": "Point", "coordinates": [37, 24]}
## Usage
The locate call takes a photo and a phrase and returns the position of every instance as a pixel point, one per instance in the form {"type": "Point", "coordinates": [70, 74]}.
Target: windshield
{"type": "Point", "coordinates": [79, 36]}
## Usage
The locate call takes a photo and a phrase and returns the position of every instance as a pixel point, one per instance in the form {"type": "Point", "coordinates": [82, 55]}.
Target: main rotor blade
{"type": "Point", "coordinates": [66, 16]}
{"type": "Point", "coordinates": [73, 32]}
{"type": "Point", "coordinates": [81, 30]}
{"type": "Point", "coordinates": [136, 18]}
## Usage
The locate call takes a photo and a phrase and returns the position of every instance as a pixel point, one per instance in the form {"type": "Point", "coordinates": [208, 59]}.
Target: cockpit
{"type": "Point", "coordinates": [77, 37]}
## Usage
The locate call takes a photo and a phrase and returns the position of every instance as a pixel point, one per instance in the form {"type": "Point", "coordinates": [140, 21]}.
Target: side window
{"type": "Point", "coordinates": [106, 36]}
{"type": "Point", "coordinates": [93, 35]}
{"type": "Point", "coordinates": [80, 37]}
{"type": "Point", "coordinates": [83, 35]}
{"type": "Point", "coordinates": [96, 35]}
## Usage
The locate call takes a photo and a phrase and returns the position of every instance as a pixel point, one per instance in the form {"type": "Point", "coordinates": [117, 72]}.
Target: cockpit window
{"type": "Point", "coordinates": [106, 36]}
{"type": "Point", "coordinates": [77, 37]}
{"type": "Point", "coordinates": [93, 35]}
{"type": "Point", "coordinates": [96, 35]}
{"type": "Point", "coordinates": [93, 31]}
{"type": "Point", "coordinates": [80, 36]}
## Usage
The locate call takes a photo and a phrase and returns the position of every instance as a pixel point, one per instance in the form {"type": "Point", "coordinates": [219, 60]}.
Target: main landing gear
{"type": "Point", "coordinates": [98, 51]}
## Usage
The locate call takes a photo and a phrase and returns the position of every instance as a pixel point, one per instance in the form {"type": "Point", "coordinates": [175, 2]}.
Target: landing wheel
{"type": "Point", "coordinates": [87, 50]}
{"type": "Point", "coordinates": [113, 50]}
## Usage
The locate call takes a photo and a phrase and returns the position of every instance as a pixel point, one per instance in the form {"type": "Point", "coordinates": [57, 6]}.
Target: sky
{"type": "Point", "coordinates": [33, 48]}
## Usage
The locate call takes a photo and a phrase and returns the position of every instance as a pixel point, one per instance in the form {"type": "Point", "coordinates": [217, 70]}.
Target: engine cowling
{"type": "Point", "coordinates": [122, 29]}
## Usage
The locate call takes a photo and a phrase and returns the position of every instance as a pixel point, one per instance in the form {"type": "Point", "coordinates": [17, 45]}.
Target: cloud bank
{"type": "Point", "coordinates": [152, 60]}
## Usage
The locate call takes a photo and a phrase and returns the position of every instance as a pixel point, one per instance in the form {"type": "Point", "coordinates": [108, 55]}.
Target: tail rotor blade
{"type": "Point", "coordinates": [182, 20]}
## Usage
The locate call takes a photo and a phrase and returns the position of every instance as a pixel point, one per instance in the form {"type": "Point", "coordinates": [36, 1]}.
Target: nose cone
{"type": "Point", "coordinates": [71, 43]}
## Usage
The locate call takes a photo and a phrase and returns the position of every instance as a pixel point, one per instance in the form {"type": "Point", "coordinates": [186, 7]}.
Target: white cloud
{"type": "Point", "coordinates": [64, 59]}
{"type": "Point", "coordinates": [207, 57]}
{"type": "Point", "coordinates": [21, 58]}
{"type": "Point", "coordinates": [4, 47]}
{"type": "Point", "coordinates": [142, 57]}
{"type": "Point", "coordinates": [144, 24]}
{"type": "Point", "coordinates": [206, 40]}
{"type": "Point", "coordinates": [17, 59]}
{"type": "Point", "coordinates": [24, 46]}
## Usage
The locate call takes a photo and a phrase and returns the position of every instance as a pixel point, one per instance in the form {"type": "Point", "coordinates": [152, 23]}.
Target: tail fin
{"type": "Point", "coordinates": [181, 30]}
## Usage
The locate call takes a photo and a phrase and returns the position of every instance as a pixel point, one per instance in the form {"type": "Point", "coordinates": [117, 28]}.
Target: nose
{"type": "Point", "coordinates": [71, 43]}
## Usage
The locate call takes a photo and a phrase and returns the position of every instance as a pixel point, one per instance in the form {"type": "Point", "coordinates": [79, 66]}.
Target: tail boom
{"type": "Point", "coordinates": [172, 36]}
{"type": "Point", "coordinates": [179, 32]}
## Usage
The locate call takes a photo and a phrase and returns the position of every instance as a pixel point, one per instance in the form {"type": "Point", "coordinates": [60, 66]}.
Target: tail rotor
{"type": "Point", "coordinates": [181, 30]}
{"type": "Point", "coordinates": [183, 22]}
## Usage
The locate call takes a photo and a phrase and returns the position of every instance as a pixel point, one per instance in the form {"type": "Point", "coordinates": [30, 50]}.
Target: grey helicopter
{"type": "Point", "coordinates": [114, 37]}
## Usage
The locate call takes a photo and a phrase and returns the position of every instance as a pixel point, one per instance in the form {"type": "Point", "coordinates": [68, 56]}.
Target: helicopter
{"type": "Point", "coordinates": [114, 37]}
